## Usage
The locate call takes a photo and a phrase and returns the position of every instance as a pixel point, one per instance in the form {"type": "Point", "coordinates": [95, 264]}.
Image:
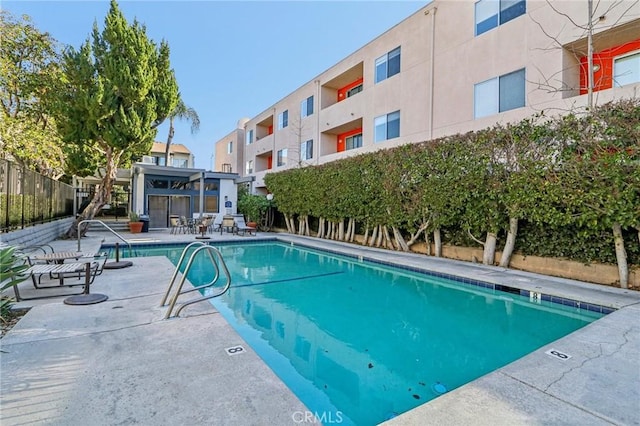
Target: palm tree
{"type": "Point", "coordinates": [183, 112]}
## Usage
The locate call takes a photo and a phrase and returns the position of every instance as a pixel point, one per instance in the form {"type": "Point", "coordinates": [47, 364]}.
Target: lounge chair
{"type": "Point", "coordinates": [85, 269]}
{"type": "Point", "coordinates": [96, 262]}
{"type": "Point", "coordinates": [241, 226]}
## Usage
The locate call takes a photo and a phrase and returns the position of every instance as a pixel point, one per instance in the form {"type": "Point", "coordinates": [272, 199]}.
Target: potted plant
{"type": "Point", "coordinates": [251, 206]}
{"type": "Point", "coordinates": [135, 225]}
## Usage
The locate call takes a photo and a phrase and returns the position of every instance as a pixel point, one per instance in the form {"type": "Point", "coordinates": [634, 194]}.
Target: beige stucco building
{"type": "Point", "coordinates": [179, 155]}
{"type": "Point", "coordinates": [453, 66]}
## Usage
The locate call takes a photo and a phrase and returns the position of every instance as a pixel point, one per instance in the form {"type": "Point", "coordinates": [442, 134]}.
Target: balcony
{"type": "Point", "coordinates": [343, 86]}
{"type": "Point", "coordinates": [264, 161]}
{"type": "Point", "coordinates": [608, 45]}
{"type": "Point", "coordinates": [264, 128]}
{"type": "Point", "coordinates": [329, 137]}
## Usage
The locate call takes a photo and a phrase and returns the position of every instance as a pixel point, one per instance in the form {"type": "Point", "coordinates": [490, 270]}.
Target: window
{"type": "Point", "coordinates": [355, 90]}
{"type": "Point", "coordinates": [229, 147]}
{"type": "Point", "coordinates": [626, 70]}
{"type": "Point", "coordinates": [491, 13]}
{"type": "Point", "coordinates": [282, 157]}
{"type": "Point", "coordinates": [306, 150]}
{"type": "Point", "coordinates": [306, 107]}
{"type": "Point", "coordinates": [387, 126]}
{"type": "Point", "coordinates": [151, 183]}
{"type": "Point", "coordinates": [283, 119]}
{"type": "Point", "coordinates": [210, 202]}
{"type": "Point", "coordinates": [249, 168]}
{"type": "Point", "coordinates": [353, 142]}
{"type": "Point", "coordinates": [180, 162]}
{"type": "Point", "coordinates": [249, 137]}
{"type": "Point", "coordinates": [388, 65]}
{"type": "Point", "coordinates": [499, 94]}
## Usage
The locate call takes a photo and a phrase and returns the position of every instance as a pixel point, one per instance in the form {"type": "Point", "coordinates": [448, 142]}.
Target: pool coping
{"type": "Point", "coordinates": [538, 388]}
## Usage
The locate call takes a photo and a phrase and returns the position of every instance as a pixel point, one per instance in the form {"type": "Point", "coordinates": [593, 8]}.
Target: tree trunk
{"type": "Point", "coordinates": [341, 230]}
{"type": "Point", "coordinates": [621, 256]}
{"type": "Point", "coordinates": [320, 233]}
{"type": "Point", "coordinates": [286, 222]}
{"type": "Point", "coordinates": [489, 253]}
{"type": "Point", "coordinates": [510, 243]}
{"type": "Point", "coordinates": [306, 225]}
{"type": "Point", "coordinates": [365, 240]}
{"type": "Point", "coordinates": [437, 240]}
{"type": "Point", "coordinates": [380, 236]}
{"type": "Point", "coordinates": [415, 236]}
{"type": "Point", "coordinates": [352, 234]}
{"type": "Point", "coordinates": [402, 245]}
{"type": "Point", "coordinates": [100, 197]}
{"type": "Point", "coordinates": [374, 236]}
{"type": "Point", "coordinates": [428, 244]}
{"type": "Point", "coordinates": [300, 225]}
{"type": "Point", "coordinates": [169, 140]}
{"type": "Point", "coordinates": [291, 223]}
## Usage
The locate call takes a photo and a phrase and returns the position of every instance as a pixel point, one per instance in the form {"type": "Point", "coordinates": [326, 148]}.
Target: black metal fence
{"type": "Point", "coordinates": [28, 198]}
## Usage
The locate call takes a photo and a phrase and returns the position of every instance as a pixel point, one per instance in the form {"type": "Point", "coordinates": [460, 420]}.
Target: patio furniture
{"type": "Point", "coordinates": [228, 224]}
{"type": "Point", "coordinates": [203, 227]}
{"type": "Point", "coordinates": [241, 226]}
{"type": "Point", "coordinates": [67, 270]}
{"type": "Point", "coordinates": [174, 223]}
{"type": "Point", "coordinates": [59, 272]}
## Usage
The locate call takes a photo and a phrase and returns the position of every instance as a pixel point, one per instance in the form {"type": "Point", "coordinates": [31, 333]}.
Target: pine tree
{"type": "Point", "coordinates": [120, 89]}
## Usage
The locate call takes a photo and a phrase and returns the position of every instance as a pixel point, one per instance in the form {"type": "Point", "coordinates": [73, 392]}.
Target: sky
{"type": "Point", "coordinates": [232, 59]}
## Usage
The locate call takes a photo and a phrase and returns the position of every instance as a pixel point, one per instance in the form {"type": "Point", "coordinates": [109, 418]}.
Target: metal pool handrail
{"type": "Point", "coordinates": [211, 251]}
{"type": "Point", "coordinates": [106, 226]}
{"type": "Point", "coordinates": [163, 302]}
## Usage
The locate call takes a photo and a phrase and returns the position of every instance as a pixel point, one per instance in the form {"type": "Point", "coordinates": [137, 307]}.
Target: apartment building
{"type": "Point", "coordinates": [453, 66]}
{"type": "Point", "coordinates": [179, 155]}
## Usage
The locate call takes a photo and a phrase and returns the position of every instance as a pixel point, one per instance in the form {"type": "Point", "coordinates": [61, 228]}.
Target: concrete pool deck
{"type": "Point", "coordinates": [118, 362]}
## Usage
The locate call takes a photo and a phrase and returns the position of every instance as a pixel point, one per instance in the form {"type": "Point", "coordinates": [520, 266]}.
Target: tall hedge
{"type": "Point", "coordinates": [573, 179]}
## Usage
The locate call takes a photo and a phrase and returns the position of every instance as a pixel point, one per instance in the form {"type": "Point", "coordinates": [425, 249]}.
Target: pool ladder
{"type": "Point", "coordinates": [216, 260]}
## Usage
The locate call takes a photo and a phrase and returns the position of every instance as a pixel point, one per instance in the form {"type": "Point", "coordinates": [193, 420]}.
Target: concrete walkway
{"type": "Point", "coordinates": [118, 362]}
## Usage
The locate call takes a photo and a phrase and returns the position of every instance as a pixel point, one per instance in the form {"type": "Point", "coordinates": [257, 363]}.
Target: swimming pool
{"type": "Point", "coordinates": [362, 342]}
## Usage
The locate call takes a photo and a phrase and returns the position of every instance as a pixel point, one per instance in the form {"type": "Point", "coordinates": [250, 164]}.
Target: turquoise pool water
{"type": "Point", "coordinates": [361, 342]}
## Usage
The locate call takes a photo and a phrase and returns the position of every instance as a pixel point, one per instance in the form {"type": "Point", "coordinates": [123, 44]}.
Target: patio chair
{"type": "Point", "coordinates": [241, 226]}
{"type": "Point", "coordinates": [228, 224]}
{"type": "Point", "coordinates": [212, 224]}
{"type": "Point", "coordinates": [186, 225]}
{"type": "Point", "coordinates": [204, 225]}
{"type": "Point", "coordinates": [174, 223]}
{"type": "Point", "coordinates": [216, 225]}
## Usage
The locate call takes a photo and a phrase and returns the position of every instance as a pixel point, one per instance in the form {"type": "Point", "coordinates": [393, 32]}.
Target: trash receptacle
{"type": "Point", "coordinates": [144, 218]}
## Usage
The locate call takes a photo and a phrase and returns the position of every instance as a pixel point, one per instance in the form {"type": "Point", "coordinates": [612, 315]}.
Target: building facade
{"type": "Point", "coordinates": [179, 155]}
{"type": "Point", "coordinates": [453, 66]}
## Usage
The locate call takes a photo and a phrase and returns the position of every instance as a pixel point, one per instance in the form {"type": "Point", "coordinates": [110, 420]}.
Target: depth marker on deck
{"type": "Point", "coordinates": [235, 350]}
{"type": "Point", "coordinates": [558, 354]}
